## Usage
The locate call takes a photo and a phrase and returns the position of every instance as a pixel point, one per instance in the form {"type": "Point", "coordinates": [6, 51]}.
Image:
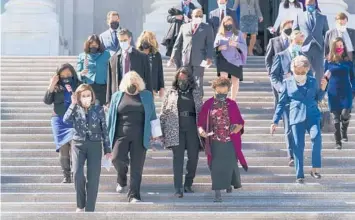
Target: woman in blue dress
{"type": "Point", "coordinates": [339, 70]}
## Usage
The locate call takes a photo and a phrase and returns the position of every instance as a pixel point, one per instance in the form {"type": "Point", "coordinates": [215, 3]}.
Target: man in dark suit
{"type": "Point", "coordinates": [204, 5]}
{"type": "Point", "coordinates": [216, 16]}
{"type": "Point", "coordinates": [127, 59]}
{"type": "Point", "coordinates": [193, 45]}
{"type": "Point", "coordinates": [280, 70]}
{"type": "Point", "coordinates": [275, 46]}
{"type": "Point", "coordinates": [341, 30]}
{"type": "Point", "coordinates": [314, 26]}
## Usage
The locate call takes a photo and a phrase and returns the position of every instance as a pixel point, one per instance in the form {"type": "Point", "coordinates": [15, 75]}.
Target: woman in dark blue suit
{"type": "Point", "coordinates": [340, 74]}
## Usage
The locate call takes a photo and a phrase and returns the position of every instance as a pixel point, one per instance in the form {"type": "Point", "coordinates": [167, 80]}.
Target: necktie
{"type": "Point", "coordinates": [195, 28]}
{"type": "Point", "coordinates": [286, 43]}
{"type": "Point", "coordinates": [114, 38]}
{"type": "Point", "coordinates": [311, 18]}
{"type": "Point", "coordinates": [222, 15]}
{"type": "Point", "coordinates": [127, 63]}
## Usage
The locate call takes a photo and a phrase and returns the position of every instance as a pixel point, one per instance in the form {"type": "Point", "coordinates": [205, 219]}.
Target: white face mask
{"type": "Point", "coordinates": [300, 79]}
{"type": "Point", "coordinates": [196, 20]}
{"type": "Point", "coordinates": [291, 1]}
{"type": "Point", "coordinates": [86, 102]}
{"type": "Point", "coordinates": [222, 6]}
{"type": "Point", "coordinates": [341, 28]}
{"type": "Point", "coordinates": [124, 45]}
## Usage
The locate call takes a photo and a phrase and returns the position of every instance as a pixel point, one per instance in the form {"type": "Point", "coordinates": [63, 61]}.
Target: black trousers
{"type": "Point", "coordinates": [132, 144]}
{"type": "Point", "coordinates": [86, 190]}
{"type": "Point", "coordinates": [64, 159]}
{"type": "Point", "coordinates": [188, 140]}
{"type": "Point", "coordinates": [100, 92]}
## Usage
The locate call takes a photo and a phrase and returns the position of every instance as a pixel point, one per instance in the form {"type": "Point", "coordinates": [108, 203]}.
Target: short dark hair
{"type": "Point", "coordinates": [186, 71]}
{"type": "Point", "coordinates": [221, 82]}
{"type": "Point", "coordinates": [341, 16]}
{"type": "Point", "coordinates": [125, 31]}
{"type": "Point", "coordinates": [91, 39]}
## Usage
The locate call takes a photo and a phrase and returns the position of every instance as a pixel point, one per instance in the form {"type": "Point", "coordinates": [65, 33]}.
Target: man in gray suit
{"type": "Point", "coordinates": [216, 16]}
{"type": "Point", "coordinates": [314, 26]}
{"type": "Point", "coordinates": [341, 30]}
{"type": "Point", "coordinates": [280, 70]}
{"type": "Point", "coordinates": [193, 45]}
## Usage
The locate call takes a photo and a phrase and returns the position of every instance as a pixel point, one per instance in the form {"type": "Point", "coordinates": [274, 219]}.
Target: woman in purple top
{"type": "Point", "coordinates": [303, 2]}
{"type": "Point", "coordinates": [231, 50]}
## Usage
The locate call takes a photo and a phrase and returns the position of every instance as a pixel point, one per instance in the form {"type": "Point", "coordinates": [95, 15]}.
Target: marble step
{"type": "Point", "coordinates": [252, 145]}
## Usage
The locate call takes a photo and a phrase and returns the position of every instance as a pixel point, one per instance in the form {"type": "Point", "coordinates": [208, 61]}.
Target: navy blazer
{"type": "Point", "coordinates": [302, 106]}
{"type": "Point", "coordinates": [215, 21]}
{"type": "Point", "coordinates": [91, 126]}
{"type": "Point", "coordinates": [313, 35]}
{"type": "Point", "coordinates": [281, 67]}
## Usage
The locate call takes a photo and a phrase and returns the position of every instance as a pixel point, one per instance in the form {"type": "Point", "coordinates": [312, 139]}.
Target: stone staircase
{"type": "Point", "coordinates": [31, 175]}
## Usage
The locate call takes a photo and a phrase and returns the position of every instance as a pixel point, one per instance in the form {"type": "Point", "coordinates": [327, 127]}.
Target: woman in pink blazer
{"type": "Point", "coordinates": [221, 126]}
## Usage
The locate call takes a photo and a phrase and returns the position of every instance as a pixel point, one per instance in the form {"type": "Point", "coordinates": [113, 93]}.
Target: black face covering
{"type": "Point", "coordinates": [288, 31]}
{"type": "Point", "coordinates": [114, 25]}
{"type": "Point", "coordinates": [221, 96]}
{"type": "Point", "coordinates": [228, 27]}
{"type": "Point", "coordinates": [93, 49]}
{"type": "Point", "coordinates": [146, 45]}
{"type": "Point", "coordinates": [183, 85]}
{"type": "Point", "coordinates": [132, 89]}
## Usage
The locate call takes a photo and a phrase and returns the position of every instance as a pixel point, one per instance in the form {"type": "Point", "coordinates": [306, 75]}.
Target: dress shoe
{"type": "Point", "coordinates": [119, 188]}
{"type": "Point", "coordinates": [338, 146]}
{"type": "Point", "coordinates": [79, 210]}
{"type": "Point", "coordinates": [66, 179]}
{"type": "Point", "coordinates": [188, 189]}
{"type": "Point", "coordinates": [316, 175]}
{"type": "Point", "coordinates": [291, 163]}
{"type": "Point", "coordinates": [178, 193]}
{"type": "Point", "coordinates": [229, 190]}
{"type": "Point", "coordinates": [134, 200]}
{"type": "Point", "coordinates": [300, 180]}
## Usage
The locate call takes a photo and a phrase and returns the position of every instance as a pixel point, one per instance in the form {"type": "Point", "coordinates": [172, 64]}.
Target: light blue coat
{"type": "Point", "coordinates": [149, 110]}
{"type": "Point", "coordinates": [302, 107]}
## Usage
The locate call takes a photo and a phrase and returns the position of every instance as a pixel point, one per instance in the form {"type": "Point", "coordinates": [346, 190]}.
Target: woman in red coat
{"type": "Point", "coordinates": [221, 125]}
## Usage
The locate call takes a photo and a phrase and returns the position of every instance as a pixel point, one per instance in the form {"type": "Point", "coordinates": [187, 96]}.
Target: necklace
{"type": "Point", "coordinates": [184, 92]}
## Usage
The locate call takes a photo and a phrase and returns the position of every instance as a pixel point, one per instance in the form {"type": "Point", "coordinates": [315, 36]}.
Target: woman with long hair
{"type": "Point", "coordinates": [59, 91]}
{"type": "Point", "coordinates": [178, 118]}
{"type": "Point", "coordinates": [339, 70]}
{"type": "Point", "coordinates": [147, 43]}
{"type": "Point", "coordinates": [288, 10]}
{"type": "Point", "coordinates": [231, 50]}
{"type": "Point", "coordinates": [92, 67]}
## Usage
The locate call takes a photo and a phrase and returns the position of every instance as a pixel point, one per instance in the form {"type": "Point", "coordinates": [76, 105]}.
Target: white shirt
{"type": "Point", "coordinates": [287, 14]}
{"type": "Point", "coordinates": [124, 55]}
{"type": "Point", "coordinates": [347, 40]}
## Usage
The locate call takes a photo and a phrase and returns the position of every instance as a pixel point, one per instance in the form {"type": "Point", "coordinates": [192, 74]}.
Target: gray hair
{"type": "Point", "coordinates": [299, 62]}
{"type": "Point", "coordinates": [130, 78]}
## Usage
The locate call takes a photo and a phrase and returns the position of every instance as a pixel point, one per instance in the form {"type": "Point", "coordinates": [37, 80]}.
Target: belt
{"type": "Point", "coordinates": [187, 114]}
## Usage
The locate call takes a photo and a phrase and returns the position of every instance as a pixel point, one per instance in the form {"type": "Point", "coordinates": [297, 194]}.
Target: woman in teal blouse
{"type": "Point", "coordinates": [92, 67]}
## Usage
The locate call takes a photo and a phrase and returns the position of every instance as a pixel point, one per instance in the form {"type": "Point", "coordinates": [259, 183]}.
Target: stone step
{"type": "Point", "coordinates": [258, 152]}
{"type": "Point", "coordinates": [331, 161]}
{"type": "Point", "coordinates": [277, 204]}
{"type": "Point", "coordinates": [285, 188]}
{"type": "Point", "coordinates": [202, 169]}
{"type": "Point", "coordinates": [280, 215]}
{"type": "Point", "coordinates": [202, 196]}
{"type": "Point", "coordinates": [246, 137]}
{"type": "Point", "coordinates": [272, 145]}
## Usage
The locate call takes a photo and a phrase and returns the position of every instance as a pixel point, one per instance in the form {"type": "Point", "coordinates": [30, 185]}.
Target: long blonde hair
{"type": "Point", "coordinates": [150, 38]}
{"type": "Point", "coordinates": [221, 29]}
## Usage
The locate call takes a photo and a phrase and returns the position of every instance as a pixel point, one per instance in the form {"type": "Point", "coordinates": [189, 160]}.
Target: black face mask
{"type": "Point", "coordinates": [132, 89]}
{"type": "Point", "coordinates": [221, 96]}
{"type": "Point", "coordinates": [146, 45]}
{"type": "Point", "coordinates": [114, 25]}
{"type": "Point", "coordinates": [93, 49]}
{"type": "Point", "coordinates": [183, 85]}
{"type": "Point", "coordinates": [66, 81]}
{"type": "Point", "coordinates": [288, 31]}
{"type": "Point", "coordinates": [228, 27]}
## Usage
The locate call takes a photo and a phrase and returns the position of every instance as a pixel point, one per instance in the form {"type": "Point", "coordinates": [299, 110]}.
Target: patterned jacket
{"type": "Point", "coordinates": [91, 126]}
{"type": "Point", "coordinates": [169, 117]}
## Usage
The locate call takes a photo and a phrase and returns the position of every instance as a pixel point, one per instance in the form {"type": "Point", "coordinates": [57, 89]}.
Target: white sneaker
{"type": "Point", "coordinates": [134, 200]}
{"type": "Point", "coordinates": [119, 188]}
{"type": "Point", "coordinates": [79, 210]}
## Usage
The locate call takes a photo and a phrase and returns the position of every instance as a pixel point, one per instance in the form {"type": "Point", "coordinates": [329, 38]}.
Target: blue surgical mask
{"type": "Point", "coordinates": [124, 45]}
{"type": "Point", "coordinates": [311, 8]}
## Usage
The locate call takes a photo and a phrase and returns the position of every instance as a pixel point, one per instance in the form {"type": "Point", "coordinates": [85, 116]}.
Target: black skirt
{"type": "Point", "coordinates": [224, 66]}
